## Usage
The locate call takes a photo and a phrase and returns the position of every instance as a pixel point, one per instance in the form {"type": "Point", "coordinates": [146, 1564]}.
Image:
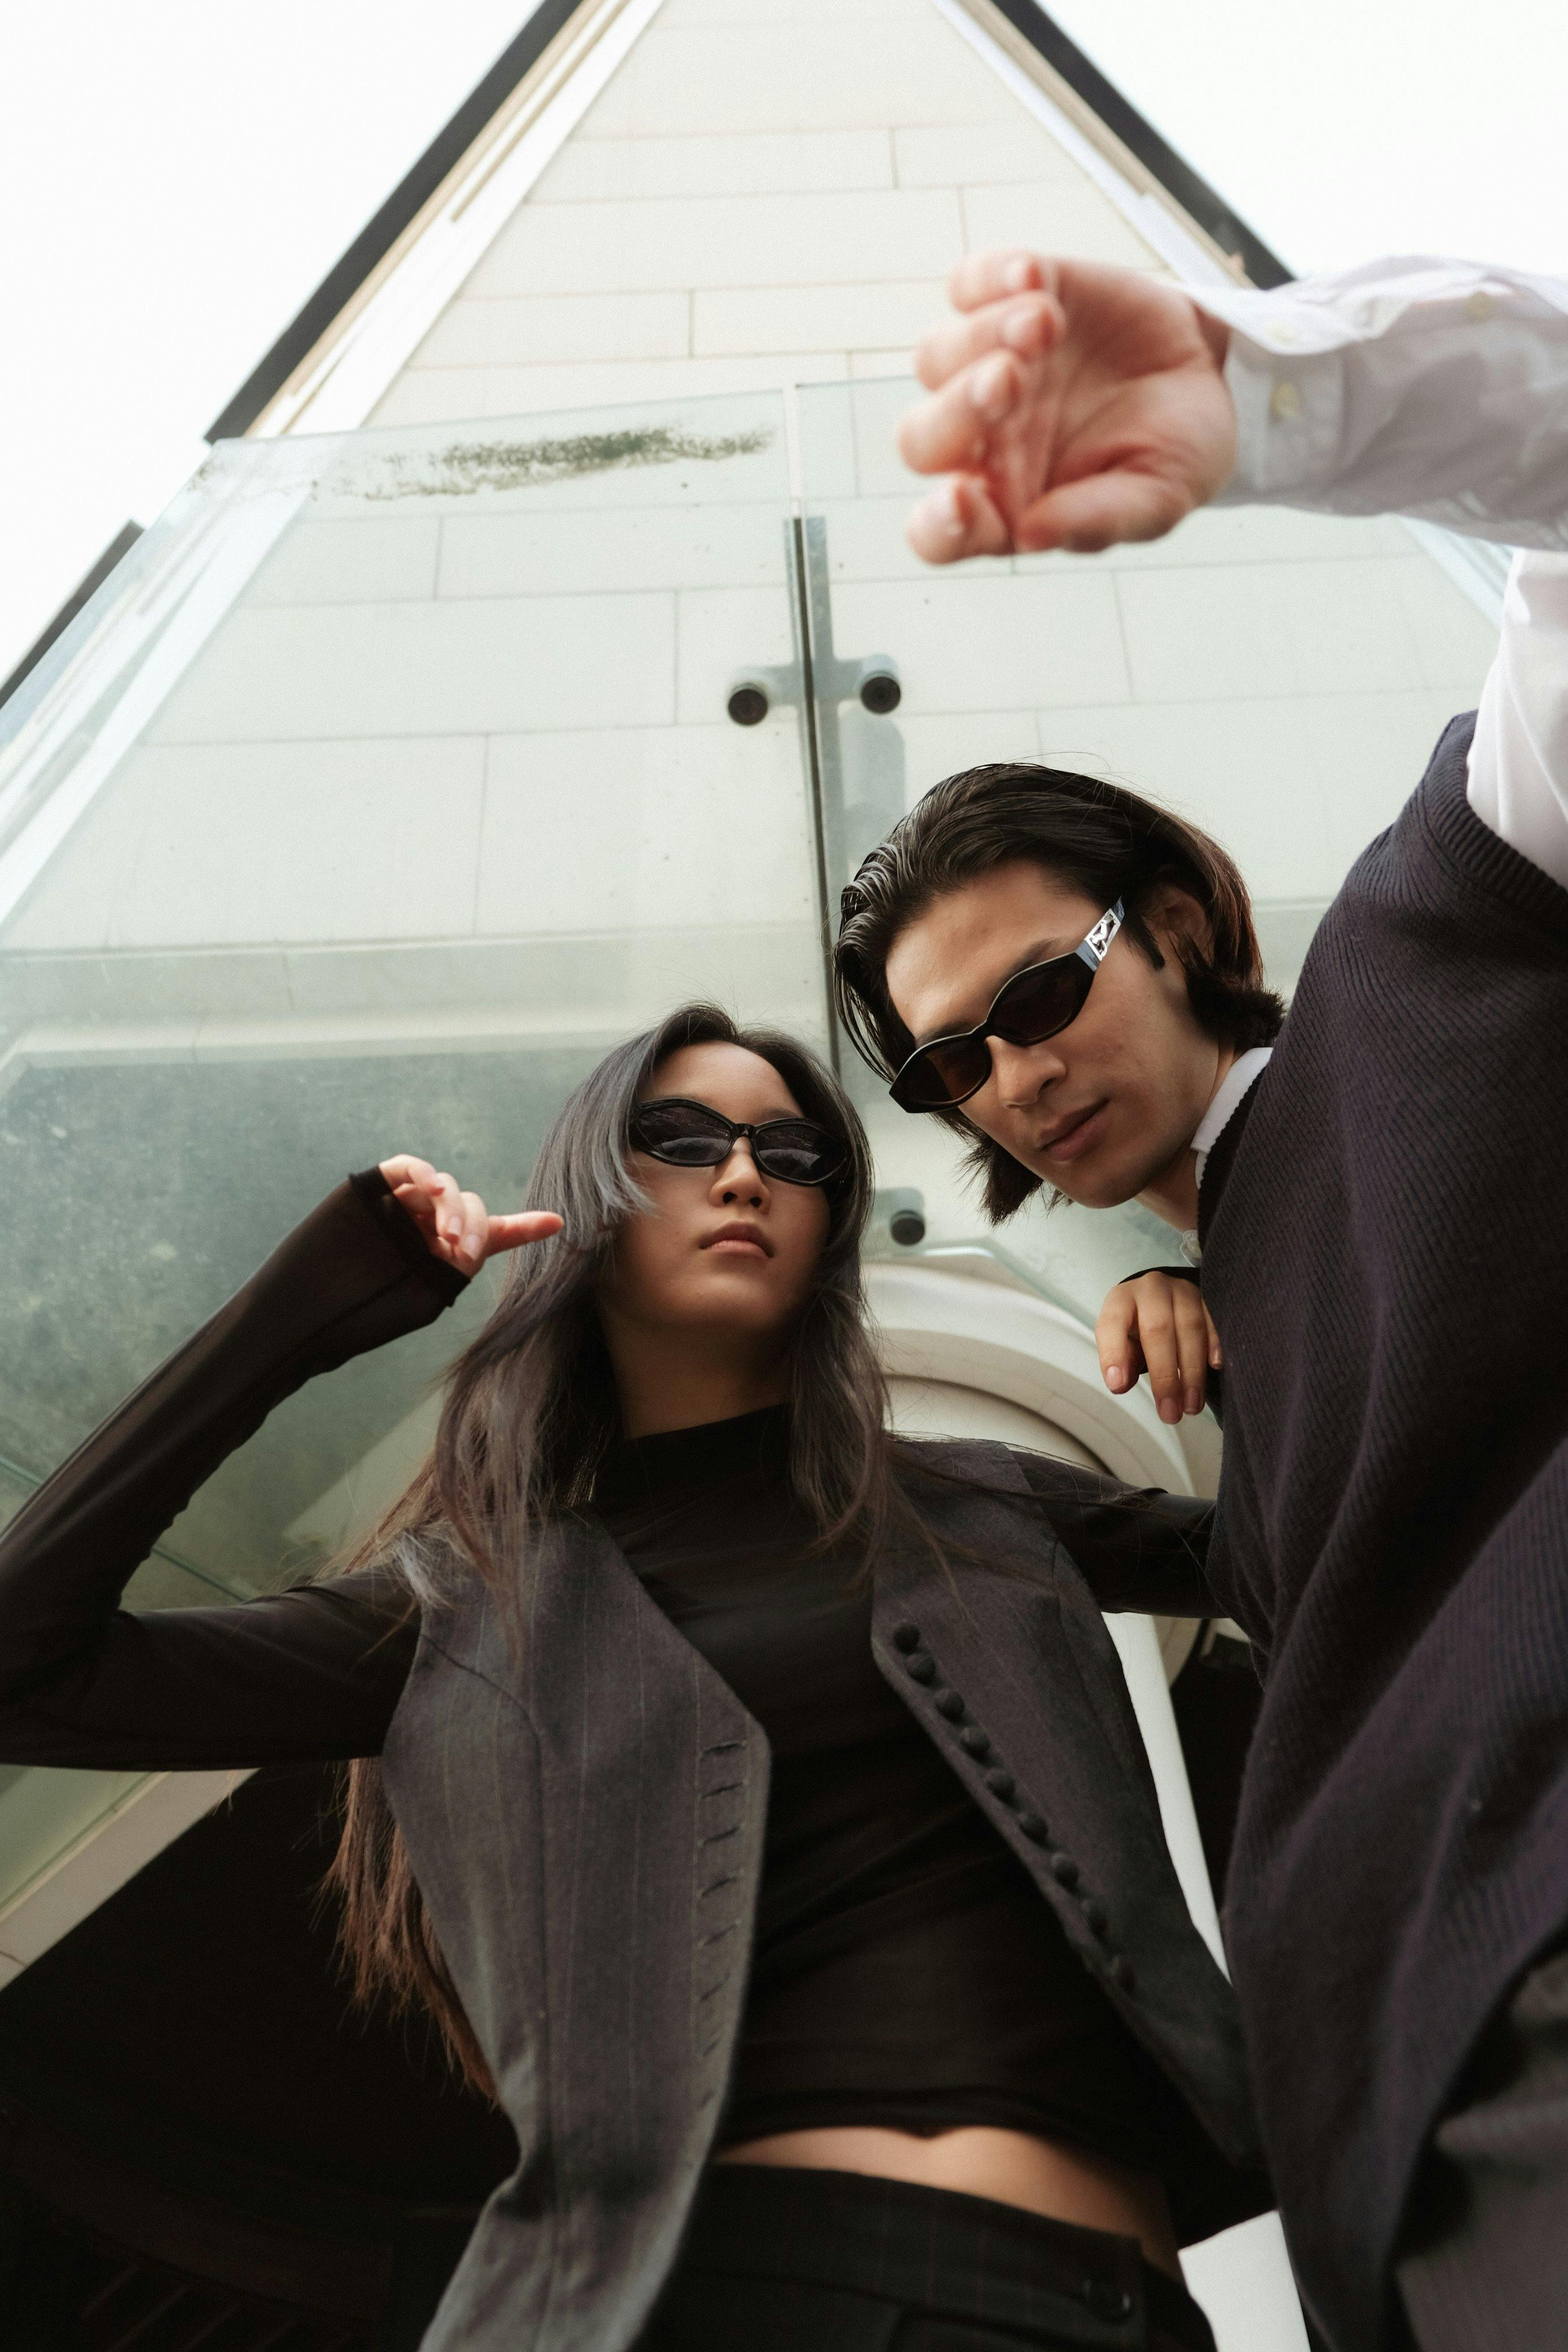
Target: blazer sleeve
{"type": "Point", "coordinates": [1137, 1547]}
{"type": "Point", "coordinates": [310, 1673]}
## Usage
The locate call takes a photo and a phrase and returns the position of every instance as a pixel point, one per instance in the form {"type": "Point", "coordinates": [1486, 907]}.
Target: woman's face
{"type": "Point", "coordinates": [726, 1252]}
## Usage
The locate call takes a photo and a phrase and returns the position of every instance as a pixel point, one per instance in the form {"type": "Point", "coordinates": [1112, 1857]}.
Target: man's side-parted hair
{"type": "Point", "coordinates": [1098, 837]}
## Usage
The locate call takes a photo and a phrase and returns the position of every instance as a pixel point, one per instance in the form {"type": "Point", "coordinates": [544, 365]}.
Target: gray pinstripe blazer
{"type": "Point", "coordinates": [585, 1812]}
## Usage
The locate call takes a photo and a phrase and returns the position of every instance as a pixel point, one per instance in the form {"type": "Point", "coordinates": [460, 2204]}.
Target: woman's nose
{"type": "Point", "coordinates": [739, 1178]}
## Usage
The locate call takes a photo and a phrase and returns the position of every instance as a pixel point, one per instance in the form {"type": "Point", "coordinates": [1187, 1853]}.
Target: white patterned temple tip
{"type": "Point", "coordinates": [1097, 942]}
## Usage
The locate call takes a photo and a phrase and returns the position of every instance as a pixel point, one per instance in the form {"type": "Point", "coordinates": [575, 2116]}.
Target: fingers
{"type": "Point", "coordinates": [958, 520]}
{"type": "Point", "coordinates": [991, 277]}
{"type": "Point", "coordinates": [1102, 511]}
{"type": "Point", "coordinates": [1216, 1353]}
{"type": "Point", "coordinates": [1115, 1336]}
{"type": "Point", "coordinates": [1028, 329]}
{"type": "Point", "coordinates": [1160, 1324]}
{"type": "Point", "coordinates": [522, 1226]}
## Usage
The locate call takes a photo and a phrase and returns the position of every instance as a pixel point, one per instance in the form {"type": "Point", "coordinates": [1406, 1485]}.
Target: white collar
{"type": "Point", "coordinates": [1228, 1096]}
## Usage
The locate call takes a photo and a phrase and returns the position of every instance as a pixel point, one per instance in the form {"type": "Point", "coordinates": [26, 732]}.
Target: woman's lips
{"type": "Point", "coordinates": [1076, 1140]}
{"type": "Point", "coordinates": [735, 1247]}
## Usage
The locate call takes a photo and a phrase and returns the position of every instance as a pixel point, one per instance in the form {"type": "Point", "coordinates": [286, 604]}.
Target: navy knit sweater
{"type": "Point", "coordinates": [1386, 1254]}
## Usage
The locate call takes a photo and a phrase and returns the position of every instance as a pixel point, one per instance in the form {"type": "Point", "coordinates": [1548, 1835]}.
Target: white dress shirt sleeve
{"type": "Point", "coordinates": [1438, 389]}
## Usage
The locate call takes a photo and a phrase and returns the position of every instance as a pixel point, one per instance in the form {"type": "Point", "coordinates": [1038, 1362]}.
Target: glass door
{"type": "Point", "coordinates": [388, 780]}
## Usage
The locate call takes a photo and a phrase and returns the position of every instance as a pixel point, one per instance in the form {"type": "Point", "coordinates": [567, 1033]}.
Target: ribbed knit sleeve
{"type": "Point", "coordinates": [313, 1672]}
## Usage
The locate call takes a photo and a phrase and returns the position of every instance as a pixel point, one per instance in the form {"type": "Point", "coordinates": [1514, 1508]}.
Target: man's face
{"type": "Point", "coordinates": [1106, 1107]}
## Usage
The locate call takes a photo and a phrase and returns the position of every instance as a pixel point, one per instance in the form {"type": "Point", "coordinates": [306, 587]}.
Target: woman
{"type": "Point", "coordinates": [755, 1803]}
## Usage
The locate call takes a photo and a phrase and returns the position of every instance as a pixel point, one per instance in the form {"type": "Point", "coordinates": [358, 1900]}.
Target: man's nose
{"type": "Point", "coordinates": [1021, 1074]}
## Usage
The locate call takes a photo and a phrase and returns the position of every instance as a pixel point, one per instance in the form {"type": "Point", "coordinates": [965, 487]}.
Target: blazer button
{"type": "Point", "coordinates": [1064, 1870]}
{"type": "Point", "coordinates": [1124, 1974]}
{"type": "Point", "coordinates": [1033, 1828]}
{"type": "Point", "coordinates": [949, 1704]}
{"type": "Point", "coordinates": [976, 1741]}
{"type": "Point", "coordinates": [1106, 2300]}
{"type": "Point", "coordinates": [1099, 1918]}
{"type": "Point", "coordinates": [1001, 1784]}
{"type": "Point", "coordinates": [906, 1636]}
{"type": "Point", "coordinates": [922, 1666]}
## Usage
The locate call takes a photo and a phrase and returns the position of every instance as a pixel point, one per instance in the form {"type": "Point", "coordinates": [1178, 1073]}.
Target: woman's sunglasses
{"type": "Point", "coordinates": [691, 1135]}
{"type": "Point", "coordinates": [1026, 1010]}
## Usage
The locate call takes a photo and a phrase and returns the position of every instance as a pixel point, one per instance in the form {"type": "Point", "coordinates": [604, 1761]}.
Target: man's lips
{"type": "Point", "coordinates": [1075, 1136]}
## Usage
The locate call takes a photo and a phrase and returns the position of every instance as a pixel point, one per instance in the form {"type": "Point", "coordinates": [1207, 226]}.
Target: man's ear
{"type": "Point", "coordinates": [1179, 923]}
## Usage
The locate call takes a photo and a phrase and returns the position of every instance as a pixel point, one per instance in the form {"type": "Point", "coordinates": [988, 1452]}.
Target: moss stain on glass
{"type": "Point", "coordinates": [464, 467]}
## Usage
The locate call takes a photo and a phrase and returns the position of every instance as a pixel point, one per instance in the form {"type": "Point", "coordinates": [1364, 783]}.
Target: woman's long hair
{"type": "Point", "coordinates": [529, 1414]}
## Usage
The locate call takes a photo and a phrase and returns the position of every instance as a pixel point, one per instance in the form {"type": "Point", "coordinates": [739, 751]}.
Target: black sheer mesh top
{"type": "Point", "coordinates": [907, 1972]}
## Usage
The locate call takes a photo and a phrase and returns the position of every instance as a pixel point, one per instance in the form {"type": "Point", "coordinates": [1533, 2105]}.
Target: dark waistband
{"type": "Point", "coordinates": [957, 2256]}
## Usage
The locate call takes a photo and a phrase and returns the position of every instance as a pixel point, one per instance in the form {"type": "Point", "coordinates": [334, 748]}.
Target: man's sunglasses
{"type": "Point", "coordinates": [691, 1135]}
{"type": "Point", "coordinates": [1026, 1010]}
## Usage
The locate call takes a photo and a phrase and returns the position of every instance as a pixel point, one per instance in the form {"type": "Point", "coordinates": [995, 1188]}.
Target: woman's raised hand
{"type": "Point", "coordinates": [457, 1227]}
{"type": "Point", "coordinates": [1072, 404]}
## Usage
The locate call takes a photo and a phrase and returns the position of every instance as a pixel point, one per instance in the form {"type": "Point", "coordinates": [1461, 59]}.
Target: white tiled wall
{"type": "Point", "coordinates": [767, 191]}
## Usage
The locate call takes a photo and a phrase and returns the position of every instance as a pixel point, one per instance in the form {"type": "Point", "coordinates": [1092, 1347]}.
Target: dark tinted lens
{"type": "Point", "coordinates": [796, 1153]}
{"type": "Point", "coordinates": [683, 1133]}
{"type": "Point", "coordinates": [1038, 1003]}
{"type": "Point", "coordinates": [944, 1073]}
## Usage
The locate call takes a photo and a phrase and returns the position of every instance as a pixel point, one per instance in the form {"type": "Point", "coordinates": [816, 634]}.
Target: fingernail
{"type": "Point", "coordinates": [1170, 1411]}
{"type": "Point", "coordinates": [1020, 275]}
{"type": "Point", "coordinates": [1193, 1401]}
{"type": "Point", "coordinates": [1021, 329]}
{"type": "Point", "coordinates": [1115, 1377]}
{"type": "Point", "coordinates": [993, 394]}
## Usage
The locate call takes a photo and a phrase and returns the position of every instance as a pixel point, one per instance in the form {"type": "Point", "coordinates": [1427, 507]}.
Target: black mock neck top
{"type": "Point", "coordinates": [905, 1970]}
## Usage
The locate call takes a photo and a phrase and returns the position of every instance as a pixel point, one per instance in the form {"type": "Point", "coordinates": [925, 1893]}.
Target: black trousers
{"type": "Point", "coordinates": [783, 2261]}
{"type": "Point", "coordinates": [1484, 2267]}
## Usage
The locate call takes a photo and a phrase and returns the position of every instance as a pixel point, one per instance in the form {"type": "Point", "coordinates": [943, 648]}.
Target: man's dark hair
{"type": "Point", "coordinates": [1106, 842]}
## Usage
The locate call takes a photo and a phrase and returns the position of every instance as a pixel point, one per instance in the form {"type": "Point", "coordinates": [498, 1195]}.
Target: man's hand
{"type": "Point", "coordinates": [1073, 406]}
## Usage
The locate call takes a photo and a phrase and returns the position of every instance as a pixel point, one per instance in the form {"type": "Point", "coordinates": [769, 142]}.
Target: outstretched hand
{"type": "Point", "coordinates": [457, 1226]}
{"type": "Point", "coordinates": [1072, 404]}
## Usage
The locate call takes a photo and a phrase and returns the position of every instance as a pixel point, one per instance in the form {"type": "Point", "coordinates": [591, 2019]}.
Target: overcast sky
{"type": "Point", "coordinates": [176, 178]}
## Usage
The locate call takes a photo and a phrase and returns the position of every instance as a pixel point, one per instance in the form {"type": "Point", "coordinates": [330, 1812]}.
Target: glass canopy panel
{"type": "Point", "coordinates": [386, 783]}
{"type": "Point", "coordinates": [1279, 678]}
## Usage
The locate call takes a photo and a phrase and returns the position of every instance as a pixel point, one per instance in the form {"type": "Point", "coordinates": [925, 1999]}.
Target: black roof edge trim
{"type": "Point", "coordinates": [87, 585]}
{"type": "Point", "coordinates": [1176, 175]}
{"type": "Point", "coordinates": [381, 232]}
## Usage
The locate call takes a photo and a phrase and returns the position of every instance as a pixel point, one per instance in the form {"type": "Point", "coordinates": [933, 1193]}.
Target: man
{"type": "Point", "coordinates": [1380, 1208]}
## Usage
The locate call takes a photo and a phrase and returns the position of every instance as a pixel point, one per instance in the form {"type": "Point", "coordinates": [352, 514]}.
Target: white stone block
{"type": "Point", "coordinates": [664, 830]}
{"type": "Point", "coordinates": [955, 155]}
{"type": "Point", "coordinates": [814, 318]}
{"type": "Point", "coordinates": [542, 330]}
{"type": "Point", "coordinates": [850, 237]}
{"type": "Point", "coordinates": [851, 68]}
{"type": "Point", "coordinates": [438, 395]}
{"type": "Point", "coordinates": [1068, 217]}
{"type": "Point", "coordinates": [1456, 644]}
{"type": "Point", "coordinates": [690, 545]}
{"type": "Point", "coordinates": [1246, 771]}
{"type": "Point", "coordinates": [1268, 629]}
{"type": "Point", "coordinates": [1372, 750]}
{"type": "Point", "coordinates": [1257, 535]}
{"type": "Point", "coordinates": [475, 668]}
{"type": "Point", "coordinates": [368, 558]}
{"type": "Point", "coordinates": [721, 634]}
{"type": "Point", "coordinates": [940, 743]}
{"type": "Point", "coordinates": [987, 641]}
{"type": "Point", "coordinates": [873, 366]}
{"type": "Point", "coordinates": [71, 905]}
{"type": "Point", "coordinates": [323, 842]}
{"type": "Point", "coordinates": [715, 164]}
